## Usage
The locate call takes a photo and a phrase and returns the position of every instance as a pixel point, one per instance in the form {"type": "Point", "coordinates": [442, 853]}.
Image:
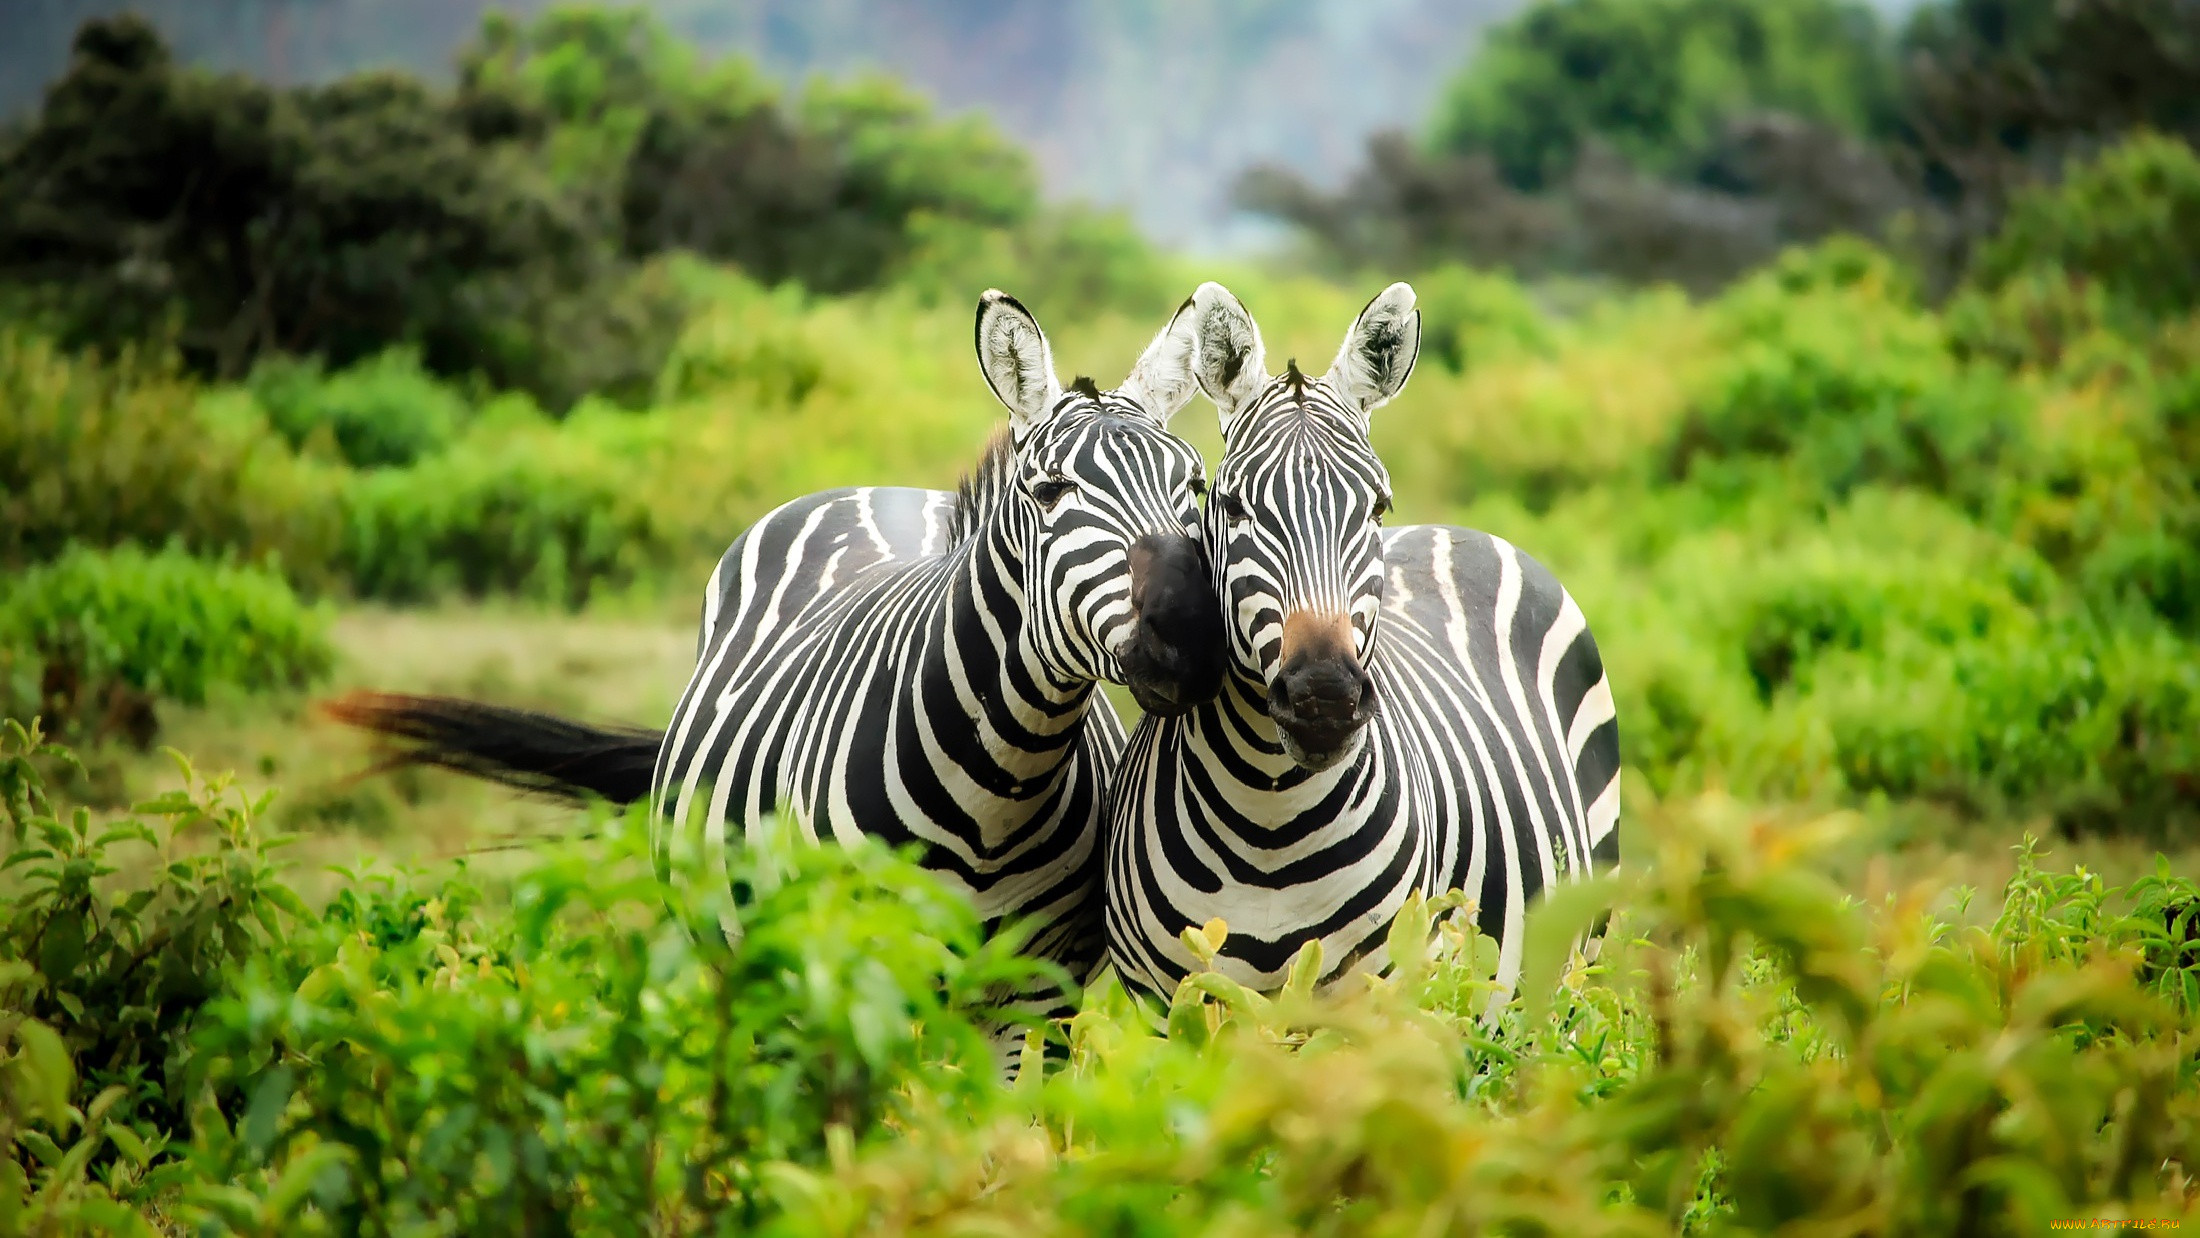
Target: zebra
{"type": "Point", "coordinates": [920, 666]}
{"type": "Point", "coordinates": [1415, 708]}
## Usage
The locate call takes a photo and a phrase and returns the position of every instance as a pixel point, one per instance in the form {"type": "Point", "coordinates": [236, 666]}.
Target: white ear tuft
{"type": "Point", "coordinates": [1018, 365]}
{"type": "Point", "coordinates": [1162, 382]}
{"type": "Point", "coordinates": [1379, 350]}
{"type": "Point", "coordinates": [1229, 361]}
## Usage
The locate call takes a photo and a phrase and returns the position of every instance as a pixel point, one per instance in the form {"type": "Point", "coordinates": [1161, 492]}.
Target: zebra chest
{"type": "Point", "coordinates": [1327, 858]}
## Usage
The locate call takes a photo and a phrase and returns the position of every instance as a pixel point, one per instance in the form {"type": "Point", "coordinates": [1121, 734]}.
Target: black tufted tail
{"type": "Point", "coordinates": [515, 747]}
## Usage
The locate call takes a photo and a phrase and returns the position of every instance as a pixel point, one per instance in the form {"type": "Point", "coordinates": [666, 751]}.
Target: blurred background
{"type": "Point", "coordinates": [1843, 359]}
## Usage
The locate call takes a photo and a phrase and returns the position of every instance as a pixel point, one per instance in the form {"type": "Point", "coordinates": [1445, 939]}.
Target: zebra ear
{"type": "Point", "coordinates": [1229, 361]}
{"type": "Point", "coordinates": [1162, 382]}
{"type": "Point", "coordinates": [1379, 350]}
{"type": "Point", "coordinates": [1018, 365]}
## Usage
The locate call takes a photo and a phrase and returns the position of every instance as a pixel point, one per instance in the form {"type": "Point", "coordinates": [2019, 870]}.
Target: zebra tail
{"type": "Point", "coordinates": [516, 747]}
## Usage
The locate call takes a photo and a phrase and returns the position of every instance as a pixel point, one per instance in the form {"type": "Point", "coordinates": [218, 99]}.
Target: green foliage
{"type": "Point", "coordinates": [380, 412]}
{"type": "Point", "coordinates": [116, 453]}
{"type": "Point", "coordinates": [1467, 315]}
{"type": "Point", "coordinates": [2114, 246]}
{"type": "Point", "coordinates": [93, 638]}
{"type": "Point", "coordinates": [1750, 1048]}
{"type": "Point", "coordinates": [335, 219]}
{"type": "Point", "coordinates": [567, 1056]}
{"type": "Point", "coordinates": [829, 191]}
{"type": "Point", "coordinates": [1068, 263]}
{"type": "Point", "coordinates": [1752, 1051]}
{"type": "Point", "coordinates": [551, 514]}
{"type": "Point", "coordinates": [579, 1063]}
{"type": "Point", "coordinates": [1654, 81]}
{"type": "Point", "coordinates": [502, 229]}
{"type": "Point", "coordinates": [1845, 387]}
{"type": "Point", "coordinates": [114, 936]}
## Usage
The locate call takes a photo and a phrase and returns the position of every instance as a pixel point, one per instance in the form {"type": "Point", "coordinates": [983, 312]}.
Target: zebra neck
{"type": "Point", "coordinates": [994, 706]}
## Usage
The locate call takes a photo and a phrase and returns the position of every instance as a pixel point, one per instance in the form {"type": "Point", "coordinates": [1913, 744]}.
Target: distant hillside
{"type": "Point", "coordinates": [1152, 106]}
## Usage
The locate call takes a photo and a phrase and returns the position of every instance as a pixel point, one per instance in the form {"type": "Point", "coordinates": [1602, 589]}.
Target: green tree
{"type": "Point", "coordinates": [332, 220]}
{"type": "Point", "coordinates": [1656, 79]}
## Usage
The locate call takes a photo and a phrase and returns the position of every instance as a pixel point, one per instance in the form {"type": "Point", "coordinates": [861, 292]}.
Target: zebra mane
{"type": "Point", "coordinates": [975, 492]}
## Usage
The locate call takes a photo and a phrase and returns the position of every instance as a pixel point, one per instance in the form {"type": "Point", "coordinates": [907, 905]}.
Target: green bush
{"type": "Point", "coordinates": [1068, 263]}
{"type": "Point", "coordinates": [566, 1057]}
{"type": "Point", "coordinates": [2090, 727]}
{"type": "Point", "coordinates": [554, 515]}
{"type": "Point", "coordinates": [1752, 1049]}
{"type": "Point", "coordinates": [2127, 223]}
{"type": "Point", "coordinates": [103, 453]}
{"type": "Point", "coordinates": [1765, 1055]}
{"type": "Point", "coordinates": [1843, 388]}
{"type": "Point", "coordinates": [579, 1063]}
{"type": "Point", "coordinates": [107, 962]}
{"type": "Point", "coordinates": [381, 412]}
{"type": "Point", "coordinates": [1467, 315]}
{"type": "Point", "coordinates": [93, 638]}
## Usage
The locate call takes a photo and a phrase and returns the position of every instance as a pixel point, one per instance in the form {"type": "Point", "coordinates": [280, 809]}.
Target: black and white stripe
{"type": "Point", "coordinates": [919, 666]}
{"type": "Point", "coordinates": [1417, 708]}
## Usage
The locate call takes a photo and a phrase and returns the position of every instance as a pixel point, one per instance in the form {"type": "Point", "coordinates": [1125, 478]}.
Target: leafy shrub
{"type": "Point", "coordinates": [1845, 388]}
{"type": "Point", "coordinates": [750, 339]}
{"type": "Point", "coordinates": [2112, 247]}
{"type": "Point", "coordinates": [1754, 1051]}
{"type": "Point", "coordinates": [1066, 263]}
{"type": "Point", "coordinates": [1753, 1048]}
{"type": "Point", "coordinates": [528, 509]}
{"type": "Point", "coordinates": [581, 1062]}
{"type": "Point", "coordinates": [106, 964]}
{"type": "Point", "coordinates": [2091, 727]}
{"type": "Point", "coordinates": [108, 453]}
{"type": "Point", "coordinates": [380, 412]}
{"type": "Point", "coordinates": [94, 637]}
{"type": "Point", "coordinates": [567, 1056]}
{"type": "Point", "coordinates": [1467, 314]}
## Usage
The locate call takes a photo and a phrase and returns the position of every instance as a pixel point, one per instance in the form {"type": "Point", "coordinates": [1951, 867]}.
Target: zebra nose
{"type": "Point", "coordinates": [1327, 693]}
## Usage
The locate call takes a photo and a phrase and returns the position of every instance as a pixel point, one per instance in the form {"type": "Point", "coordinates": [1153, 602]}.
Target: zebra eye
{"type": "Point", "coordinates": [1051, 490]}
{"type": "Point", "coordinates": [1232, 510]}
{"type": "Point", "coordinates": [1382, 508]}
{"type": "Point", "coordinates": [1199, 487]}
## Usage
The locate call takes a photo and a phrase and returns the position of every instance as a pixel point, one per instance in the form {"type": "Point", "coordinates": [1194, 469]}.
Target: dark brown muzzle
{"type": "Point", "coordinates": [1174, 658]}
{"type": "Point", "coordinates": [1321, 696]}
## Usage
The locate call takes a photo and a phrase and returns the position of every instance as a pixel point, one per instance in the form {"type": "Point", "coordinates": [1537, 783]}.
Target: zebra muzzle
{"type": "Point", "coordinates": [1322, 696]}
{"type": "Point", "coordinates": [1173, 658]}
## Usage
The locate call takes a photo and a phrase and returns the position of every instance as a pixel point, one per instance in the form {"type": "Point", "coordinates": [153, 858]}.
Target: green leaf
{"type": "Point", "coordinates": [51, 1075]}
{"type": "Point", "coordinates": [1306, 971]}
{"type": "Point", "coordinates": [1554, 924]}
{"type": "Point", "coordinates": [298, 1179]}
{"type": "Point", "coordinates": [131, 1143]}
{"type": "Point", "coordinates": [42, 1146]}
{"type": "Point", "coordinates": [263, 1115]}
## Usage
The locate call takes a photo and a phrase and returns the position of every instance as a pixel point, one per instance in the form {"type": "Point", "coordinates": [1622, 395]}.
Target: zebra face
{"type": "Point", "coordinates": [1105, 508]}
{"type": "Point", "coordinates": [1116, 584]}
{"type": "Point", "coordinates": [1294, 527]}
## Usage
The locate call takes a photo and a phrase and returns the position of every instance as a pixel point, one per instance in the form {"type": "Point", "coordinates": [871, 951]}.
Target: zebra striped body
{"type": "Point", "coordinates": [1491, 766]}
{"type": "Point", "coordinates": [917, 666]}
{"type": "Point", "coordinates": [1417, 708]}
{"type": "Point", "coordinates": [853, 679]}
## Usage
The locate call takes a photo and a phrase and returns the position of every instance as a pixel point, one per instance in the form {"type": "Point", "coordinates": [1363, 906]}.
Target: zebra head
{"type": "Point", "coordinates": [1104, 503]}
{"type": "Point", "coordinates": [1295, 522]}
